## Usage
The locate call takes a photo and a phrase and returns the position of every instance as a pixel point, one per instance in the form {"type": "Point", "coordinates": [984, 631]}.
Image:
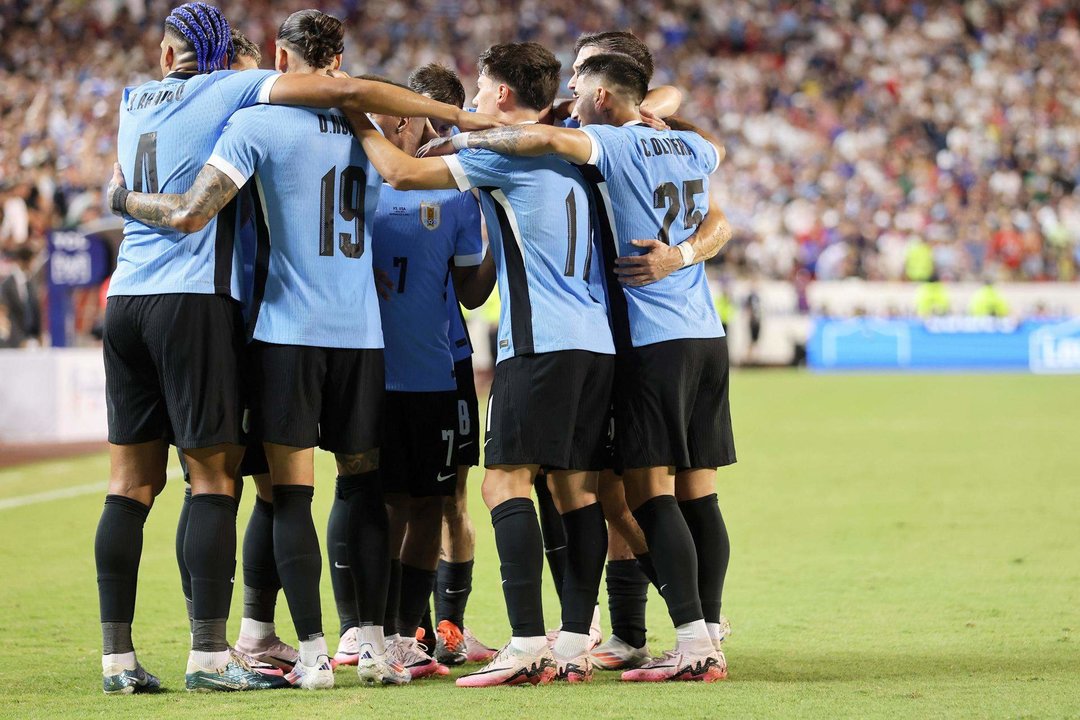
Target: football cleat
{"type": "Point", "coordinates": [725, 633]}
{"type": "Point", "coordinates": [513, 667]}
{"type": "Point", "coordinates": [268, 654]}
{"type": "Point", "coordinates": [677, 665]}
{"type": "Point", "coordinates": [119, 680]}
{"type": "Point", "coordinates": [450, 647]}
{"type": "Point", "coordinates": [348, 649]}
{"type": "Point", "coordinates": [596, 635]}
{"type": "Point", "coordinates": [476, 651]}
{"type": "Point", "coordinates": [319, 676]}
{"type": "Point", "coordinates": [376, 669]}
{"type": "Point", "coordinates": [407, 653]}
{"type": "Point", "coordinates": [235, 675]}
{"type": "Point", "coordinates": [573, 670]}
{"type": "Point", "coordinates": [618, 655]}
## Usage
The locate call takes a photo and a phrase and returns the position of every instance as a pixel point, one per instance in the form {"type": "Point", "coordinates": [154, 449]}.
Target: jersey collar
{"type": "Point", "coordinates": [632, 123]}
{"type": "Point", "coordinates": [181, 75]}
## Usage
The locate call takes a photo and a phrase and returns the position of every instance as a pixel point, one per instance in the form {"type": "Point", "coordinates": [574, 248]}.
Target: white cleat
{"type": "Point", "coordinates": [475, 650]}
{"type": "Point", "coordinates": [513, 667]}
{"type": "Point", "coordinates": [596, 635]}
{"type": "Point", "coordinates": [725, 633]}
{"type": "Point", "coordinates": [267, 654]}
{"type": "Point", "coordinates": [407, 653]}
{"type": "Point", "coordinates": [379, 668]}
{"type": "Point", "coordinates": [319, 676]}
{"type": "Point", "coordinates": [618, 655]}
{"type": "Point", "coordinates": [573, 670]}
{"type": "Point", "coordinates": [348, 649]}
{"type": "Point", "coordinates": [681, 665]}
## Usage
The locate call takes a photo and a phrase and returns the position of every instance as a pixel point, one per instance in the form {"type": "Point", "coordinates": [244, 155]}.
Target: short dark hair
{"type": "Point", "coordinates": [317, 36]}
{"type": "Point", "coordinates": [243, 47]}
{"type": "Point", "coordinates": [529, 68]}
{"type": "Point", "coordinates": [619, 41]}
{"type": "Point", "coordinates": [620, 70]}
{"type": "Point", "coordinates": [438, 82]}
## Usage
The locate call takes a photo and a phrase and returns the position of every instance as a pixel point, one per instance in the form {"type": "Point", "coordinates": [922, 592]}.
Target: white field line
{"type": "Point", "coordinates": [64, 493]}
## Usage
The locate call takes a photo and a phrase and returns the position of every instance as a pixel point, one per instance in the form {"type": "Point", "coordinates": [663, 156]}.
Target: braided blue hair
{"type": "Point", "coordinates": [208, 32]}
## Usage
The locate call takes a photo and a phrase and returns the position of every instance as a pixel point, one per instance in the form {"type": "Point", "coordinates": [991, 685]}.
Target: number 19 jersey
{"type": "Point", "coordinates": [315, 201]}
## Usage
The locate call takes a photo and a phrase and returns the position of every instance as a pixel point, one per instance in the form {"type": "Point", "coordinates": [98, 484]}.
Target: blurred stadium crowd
{"type": "Point", "coordinates": [880, 139]}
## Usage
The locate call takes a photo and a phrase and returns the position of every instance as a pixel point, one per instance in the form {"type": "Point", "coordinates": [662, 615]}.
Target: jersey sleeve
{"type": "Point", "coordinates": [247, 88]}
{"type": "Point", "coordinates": [468, 243]}
{"type": "Point", "coordinates": [242, 145]}
{"type": "Point", "coordinates": [707, 155]}
{"type": "Point", "coordinates": [608, 146]}
{"type": "Point", "coordinates": [480, 168]}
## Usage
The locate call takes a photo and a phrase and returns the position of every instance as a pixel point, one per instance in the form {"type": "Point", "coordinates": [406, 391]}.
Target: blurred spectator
{"type": "Point", "coordinates": [19, 295]}
{"type": "Point", "coordinates": [932, 298]}
{"type": "Point", "coordinates": [988, 302]}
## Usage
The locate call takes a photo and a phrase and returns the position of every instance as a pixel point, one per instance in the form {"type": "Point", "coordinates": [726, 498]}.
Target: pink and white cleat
{"type": "Point", "coordinates": [573, 670]}
{"type": "Point", "coordinates": [407, 652]}
{"type": "Point", "coordinates": [676, 665]}
{"type": "Point", "coordinates": [476, 651]}
{"type": "Point", "coordinates": [513, 667]}
{"type": "Point", "coordinates": [348, 649]}
{"type": "Point", "coordinates": [618, 655]}
{"type": "Point", "coordinates": [268, 654]}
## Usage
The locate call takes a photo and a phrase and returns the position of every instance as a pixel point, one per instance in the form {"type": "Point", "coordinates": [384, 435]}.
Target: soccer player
{"type": "Point", "coordinates": [454, 643]}
{"type": "Point", "coordinates": [162, 381]}
{"type": "Point", "coordinates": [671, 411]}
{"type": "Point", "coordinates": [549, 401]}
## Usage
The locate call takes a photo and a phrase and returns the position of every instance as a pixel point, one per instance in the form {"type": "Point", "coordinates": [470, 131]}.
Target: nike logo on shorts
{"type": "Point", "coordinates": [442, 477]}
{"type": "Point", "coordinates": [339, 566]}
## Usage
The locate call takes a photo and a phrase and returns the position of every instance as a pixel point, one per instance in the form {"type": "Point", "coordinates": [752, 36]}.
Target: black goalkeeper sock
{"type": "Point", "coordinates": [299, 561]}
{"type": "Point", "coordinates": [393, 599]}
{"type": "Point", "coordinates": [210, 554]}
{"type": "Point", "coordinates": [426, 627]}
{"type": "Point", "coordinates": [368, 543]}
{"type": "Point", "coordinates": [341, 579]}
{"type": "Point", "coordinates": [627, 590]}
{"type": "Point", "coordinates": [416, 586]}
{"type": "Point", "coordinates": [586, 544]}
{"type": "Point", "coordinates": [261, 581]}
{"type": "Point", "coordinates": [554, 532]}
{"type": "Point", "coordinates": [117, 550]}
{"type": "Point", "coordinates": [181, 533]}
{"type": "Point", "coordinates": [710, 535]}
{"type": "Point", "coordinates": [452, 588]}
{"type": "Point", "coordinates": [672, 550]}
{"type": "Point", "coordinates": [517, 538]}
{"type": "Point", "coordinates": [645, 564]}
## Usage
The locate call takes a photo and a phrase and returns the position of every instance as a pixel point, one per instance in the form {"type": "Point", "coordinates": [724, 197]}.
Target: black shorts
{"type": "Point", "coordinates": [171, 369]}
{"type": "Point", "coordinates": [419, 454]}
{"type": "Point", "coordinates": [254, 462]}
{"type": "Point", "coordinates": [468, 414]}
{"type": "Point", "coordinates": [550, 409]}
{"type": "Point", "coordinates": [304, 397]}
{"type": "Point", "coordinates": [671, 405]}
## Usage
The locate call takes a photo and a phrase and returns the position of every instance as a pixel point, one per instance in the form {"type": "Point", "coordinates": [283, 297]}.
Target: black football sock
{"type": "Point", "coordinates": [710, 535]}
{"type": "Point", "coordinates": [341, 579]}
{"type": "Point", "coordinates": [261, 581]}
{"type": "Point", "coordinates": [586, 544]}
{"type": "Point", "coordinates": [117, 549]}
{"type": "Point", "coordinates": [627, 591]}
{"type": "Point", "coordinates": [452, 588]}
{"type": "Point", "coordinates": [393, 599]}
{"type": "Point", "coordinates": [181, 533]}
{"type": "Point", "coordinates": [368, 543]}
{"type": "Point", "coordinates": [210, 554]}
{"type": "Point", "coordinates": [416, 586]}
{"type": "Point", "coordinates": [299, 561]}
{"type": "Point", "coordinates": [645, 563]}
{"type": "Point", "coordinates": [672, 550]}
{"type": "Point", "coordinates": [554, 532]}
{"type": "Point", "coordinates": [521, 550]}
{"type": "Point", "coordinates": [426, 627]}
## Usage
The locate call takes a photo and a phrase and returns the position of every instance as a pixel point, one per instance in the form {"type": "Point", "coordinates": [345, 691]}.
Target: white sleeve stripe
{"type": "Point", "coordinates": [238, 178]}
{"type": "Point", "coordinates": [266, 87]}
{"type": "Point", "coordinates": [717, 165]}
{"type": "Point", "coordinates": [460, 176]}
{"type": "Point", "coordinates": [594, 154]}
{"type": "Point", "coordinates": [469, 260]}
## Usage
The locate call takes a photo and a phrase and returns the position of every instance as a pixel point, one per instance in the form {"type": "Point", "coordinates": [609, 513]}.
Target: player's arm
{"type": "Point", "coordinates": [678, 123]}
{"type": "Point", "coordinates": [473, 285]}
{"type": "Point", "coordinates": [187, 213]}
{"type": "Point", "coordinates": [663, 101]}
{"type": "Point", "coordinates": [360, 96]}
{"type": "Point", "coordinates": [402, 171]}
{"type": "Point", "coordinates": [661, 259]}
{"type": "Point", "coordinates": [533, 140]}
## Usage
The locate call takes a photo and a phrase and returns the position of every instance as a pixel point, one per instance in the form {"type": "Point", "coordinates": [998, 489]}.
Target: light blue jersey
{"type": "Point", "coordinates": [418, 235]}
{"type": "Point", "coordinates": [655, 184]}
{"type": "Point", "coordinates": [316, 196]}
{"type": "Point", "coordinates": [460, 343]}
{"type": "Point", "coordinates": [539, 226]}
{"type": "Point", "coordinates": [167, 131]}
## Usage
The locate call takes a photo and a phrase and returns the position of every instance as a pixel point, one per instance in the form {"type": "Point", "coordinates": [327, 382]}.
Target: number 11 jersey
{"type": "Point", "coordinates": [315, 199]}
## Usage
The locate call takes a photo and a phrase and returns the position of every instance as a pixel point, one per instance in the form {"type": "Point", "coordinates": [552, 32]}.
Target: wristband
{"type": "Point", "coordinates": [118, 201]}
{"type": "Point", "coordinates": [687, 252]}
{"type": "Point", "coordinates": [460, 141]}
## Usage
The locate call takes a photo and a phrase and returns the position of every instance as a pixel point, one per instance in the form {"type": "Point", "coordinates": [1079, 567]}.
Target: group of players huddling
{"type": "Point", "coordinates": [295, 249]}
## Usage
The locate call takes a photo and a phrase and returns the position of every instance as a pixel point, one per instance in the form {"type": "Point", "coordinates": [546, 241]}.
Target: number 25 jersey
{"type": "Point", "coordinates": [315, 201]}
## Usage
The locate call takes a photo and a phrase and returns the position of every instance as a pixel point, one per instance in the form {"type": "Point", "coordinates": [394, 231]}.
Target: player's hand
{"type": "Point", "coordinates": [659, 261]}
{"type": "Point", "coordinates": [436, 148]}
{"type": "Point", "coordinates": [116, 184]}
{"type": "Point", "coordinates": [383, 284]}
{"type": "Point", "coordinates": [467, 121]}
{"type": "Point", "coordinates": [653, 121]}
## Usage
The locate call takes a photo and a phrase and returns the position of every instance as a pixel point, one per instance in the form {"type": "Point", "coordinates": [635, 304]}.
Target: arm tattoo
{"type": "Point", "coordinates": [506, 140]}
{"type": "Point", "coordinates": [211, 191]}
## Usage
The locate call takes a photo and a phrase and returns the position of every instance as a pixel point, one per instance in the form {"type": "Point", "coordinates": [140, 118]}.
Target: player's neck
{"type": "Point", "coordinates": [518, 115]}
{"type": "Point", "coordinates": [623, 116]}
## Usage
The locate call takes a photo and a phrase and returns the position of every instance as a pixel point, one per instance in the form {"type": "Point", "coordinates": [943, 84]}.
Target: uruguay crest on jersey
{"type": "Point", "coordinates": [430, 215]}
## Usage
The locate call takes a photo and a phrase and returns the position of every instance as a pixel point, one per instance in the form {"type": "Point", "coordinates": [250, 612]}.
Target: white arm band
{"type": "Point", "coordinates": [460, 141]}
{"type": "Point", "coordinates": [687, 252]}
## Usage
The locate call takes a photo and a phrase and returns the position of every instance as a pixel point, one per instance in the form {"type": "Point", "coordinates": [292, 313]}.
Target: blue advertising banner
{"type": "Point", "coordinates": [947, 343]}
{"type": "Point", "coordinates": [75, 260]}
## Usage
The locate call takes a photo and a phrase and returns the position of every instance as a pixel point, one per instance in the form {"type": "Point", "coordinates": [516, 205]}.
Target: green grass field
{"type": "Point", "coordinates": [903, 546]}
